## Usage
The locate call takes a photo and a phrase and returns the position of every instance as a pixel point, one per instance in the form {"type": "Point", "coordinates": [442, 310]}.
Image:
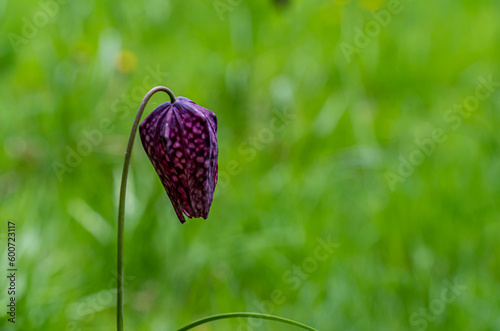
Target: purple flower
{"type": "Point", "coordinates": [180, 139]}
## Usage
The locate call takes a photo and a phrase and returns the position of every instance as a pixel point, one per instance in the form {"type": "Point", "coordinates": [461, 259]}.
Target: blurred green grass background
{"type": "Point", "coordinates": [322, 176]}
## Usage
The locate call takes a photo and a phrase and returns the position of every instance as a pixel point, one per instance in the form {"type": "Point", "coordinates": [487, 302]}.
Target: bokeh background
{"type": "Point", "coordinates": [316, 124]}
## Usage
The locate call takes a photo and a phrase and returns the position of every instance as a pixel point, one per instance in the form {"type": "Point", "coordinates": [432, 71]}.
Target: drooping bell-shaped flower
{"type": "Point", "coordinates": [180, 139]}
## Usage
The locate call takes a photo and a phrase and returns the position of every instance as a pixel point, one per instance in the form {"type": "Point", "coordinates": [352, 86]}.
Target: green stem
{"type": "Point", "coordinates": [121, 208]}
{"type": "Point", "coordinates": [251, 315]}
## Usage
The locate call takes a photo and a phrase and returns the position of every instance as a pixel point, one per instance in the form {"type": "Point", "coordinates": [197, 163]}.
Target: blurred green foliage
{"type": "Point", "coordinates": [67, 69]}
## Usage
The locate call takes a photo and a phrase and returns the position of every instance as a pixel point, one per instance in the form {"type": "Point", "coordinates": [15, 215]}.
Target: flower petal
{"type": "Point", "coordinates": [180, 139]}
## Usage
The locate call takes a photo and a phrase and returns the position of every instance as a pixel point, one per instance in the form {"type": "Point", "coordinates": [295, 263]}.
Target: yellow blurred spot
{"type": "Point", "coordinates": [126, 61]}
{"type": "Point", "coordinates": [371, 4]}
{"type": "Point", "coordinates": [330, 14]}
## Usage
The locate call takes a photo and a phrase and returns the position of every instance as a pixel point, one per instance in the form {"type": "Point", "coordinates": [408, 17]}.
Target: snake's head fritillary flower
{"type": "Point", "coordinates": [180, 140]}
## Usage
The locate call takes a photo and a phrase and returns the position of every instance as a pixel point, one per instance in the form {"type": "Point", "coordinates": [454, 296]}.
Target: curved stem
{"type": "Point", "coordinates": [251, 315]}
{"type": "Point", "coordinates": [121, 208]}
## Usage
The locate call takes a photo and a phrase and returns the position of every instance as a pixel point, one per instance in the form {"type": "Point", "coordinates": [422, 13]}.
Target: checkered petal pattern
{"type": "Point", "coordinates": [180, 139]}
